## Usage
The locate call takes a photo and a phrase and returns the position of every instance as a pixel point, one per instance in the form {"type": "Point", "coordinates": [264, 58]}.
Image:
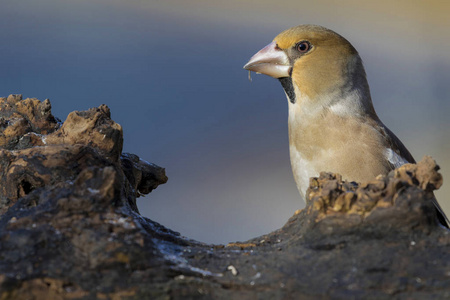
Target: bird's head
{"type": "Point", "coordinates": [314, 65]}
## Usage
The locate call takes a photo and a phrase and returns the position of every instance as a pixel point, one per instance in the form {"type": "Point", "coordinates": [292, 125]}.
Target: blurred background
{"type": "Point", "coordinates": [171, 72]}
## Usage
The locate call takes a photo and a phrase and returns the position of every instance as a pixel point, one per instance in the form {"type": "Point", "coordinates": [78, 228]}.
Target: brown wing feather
{"type": "Point", "coordinates": [397, 146]}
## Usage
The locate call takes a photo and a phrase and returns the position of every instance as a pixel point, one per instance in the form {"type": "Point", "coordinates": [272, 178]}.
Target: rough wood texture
{"type": "Point", "coordinates": [70, 228]}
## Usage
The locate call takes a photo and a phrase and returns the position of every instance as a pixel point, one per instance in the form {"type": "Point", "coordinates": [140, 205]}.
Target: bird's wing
{"type": "Point", "coordinates": [395, 159]}
{"type": "Point", "coordinates": [398, 155]}
{"type": "Point", "coordinates": [440, 214]}
{"type": "Point", "coordinates": [399, 151]}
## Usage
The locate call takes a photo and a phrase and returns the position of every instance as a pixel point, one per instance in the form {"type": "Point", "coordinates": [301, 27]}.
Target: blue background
{"type": "Point", "coordinates": [171, 72]}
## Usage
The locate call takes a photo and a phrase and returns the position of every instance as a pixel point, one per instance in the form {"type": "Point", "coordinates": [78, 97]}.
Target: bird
{"type": "Point", "coordinates": [332, 122]}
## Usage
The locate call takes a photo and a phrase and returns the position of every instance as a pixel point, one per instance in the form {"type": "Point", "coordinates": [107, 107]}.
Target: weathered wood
{"type": "Point", "coordinates": [70, 228]}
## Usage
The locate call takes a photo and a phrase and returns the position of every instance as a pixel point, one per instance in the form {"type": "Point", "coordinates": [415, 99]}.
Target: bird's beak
{"type": "Point", "coordinates": [271, 61]}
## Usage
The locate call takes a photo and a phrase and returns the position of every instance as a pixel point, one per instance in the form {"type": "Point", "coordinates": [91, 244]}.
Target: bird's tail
{"type": "Point", "coordinates": [440, 214]}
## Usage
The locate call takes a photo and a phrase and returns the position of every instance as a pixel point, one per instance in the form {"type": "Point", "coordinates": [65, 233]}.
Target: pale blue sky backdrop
{"type": "Point", "coordinates": [171, 72]}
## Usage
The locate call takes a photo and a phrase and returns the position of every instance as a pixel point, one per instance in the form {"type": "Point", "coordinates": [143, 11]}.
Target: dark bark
{"type": "Point", "coordinates": [70, 228]}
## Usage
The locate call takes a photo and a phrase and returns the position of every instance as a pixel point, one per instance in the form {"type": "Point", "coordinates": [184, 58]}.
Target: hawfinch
{"type": "Point", "coordinates": [332, 123]}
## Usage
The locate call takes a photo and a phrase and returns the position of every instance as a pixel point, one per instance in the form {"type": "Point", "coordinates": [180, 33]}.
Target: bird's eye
{"type": "Point", "coordinates": [303, 47]}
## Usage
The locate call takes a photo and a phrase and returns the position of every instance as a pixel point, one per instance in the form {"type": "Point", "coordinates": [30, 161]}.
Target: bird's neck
{"type": "Point", "coordinates": [346, 93]}
{"type": "Point", "coordinates": [353, 103]}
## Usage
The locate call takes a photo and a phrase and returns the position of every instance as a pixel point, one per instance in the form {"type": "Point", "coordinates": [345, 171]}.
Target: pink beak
{"type": "Point", "coordinates": [271, 61]}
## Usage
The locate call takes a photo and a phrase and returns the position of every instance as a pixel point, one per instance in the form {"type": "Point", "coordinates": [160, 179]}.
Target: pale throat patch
{"type": "Point", "coordinates": [303, 108]}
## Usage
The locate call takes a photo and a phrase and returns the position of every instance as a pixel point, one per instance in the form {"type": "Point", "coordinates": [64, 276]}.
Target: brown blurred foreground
{"type": "Point", "coordinates": [70, 227]}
